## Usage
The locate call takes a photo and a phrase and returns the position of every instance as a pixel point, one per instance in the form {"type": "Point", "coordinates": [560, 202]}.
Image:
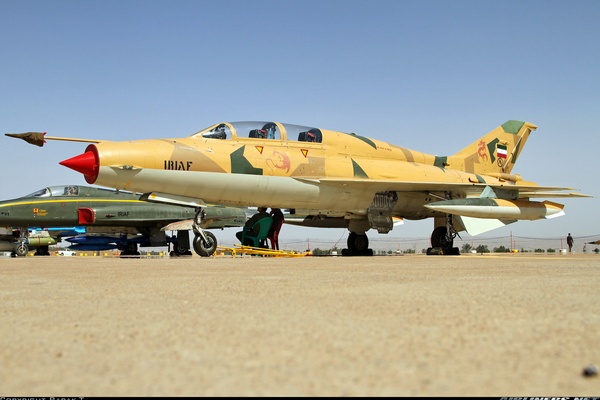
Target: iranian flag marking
{"type": "Point", "coordinates": [501, 151]}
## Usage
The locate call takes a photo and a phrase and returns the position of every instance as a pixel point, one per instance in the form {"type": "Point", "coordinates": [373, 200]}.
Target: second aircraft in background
{"type": "Point", "coordinates": [108, 219]}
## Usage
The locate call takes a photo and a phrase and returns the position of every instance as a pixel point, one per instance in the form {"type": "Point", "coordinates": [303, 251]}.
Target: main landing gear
{"type": "Point", "coordinates": [130, 250]}
{"type": "Point", "coordinates": [181, 246]}
{"type": "Point", "coordinates": [442, 240]}
{"type": "Point", "coordinates": [205, 243]}
{"type": "Point", "coordinates": [42, 251]}
{"type": "Point", "coordinates": [379, 216]}
{"type": "Point", "coordinates": [358, 245]}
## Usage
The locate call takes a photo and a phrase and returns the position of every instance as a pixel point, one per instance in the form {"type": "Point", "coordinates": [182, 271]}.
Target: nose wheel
{"type": "Point", "coordinates": [205, 244]}
{"type": "Point", "coordinates": [21, 250]}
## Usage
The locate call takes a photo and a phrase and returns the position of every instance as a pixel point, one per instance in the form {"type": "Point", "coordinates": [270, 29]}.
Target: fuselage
{"type": "Point", "coordinates": [333, 174]}
{"type": "Point", "coordinates": [328, 178]}
{"type": "Point", "coordinates": [74, 205]}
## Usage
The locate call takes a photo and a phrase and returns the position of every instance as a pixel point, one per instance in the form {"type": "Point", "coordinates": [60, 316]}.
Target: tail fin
{"type": "Point", "coordinates": [496, 152]}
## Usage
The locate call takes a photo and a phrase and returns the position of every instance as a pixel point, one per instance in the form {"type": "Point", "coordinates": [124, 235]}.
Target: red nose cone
{"type": "Point", "coordinates": [86, 163]}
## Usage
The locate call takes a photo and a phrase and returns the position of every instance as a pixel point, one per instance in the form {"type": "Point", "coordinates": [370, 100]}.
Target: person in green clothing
{"type": "Point", "coordinates": [262, 213]}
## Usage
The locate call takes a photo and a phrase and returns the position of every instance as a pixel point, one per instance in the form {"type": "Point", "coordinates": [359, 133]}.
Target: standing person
{"type": "Point", "coordinates": [278, 220]}
{"type": "Point", "coordinates": [570, 241]}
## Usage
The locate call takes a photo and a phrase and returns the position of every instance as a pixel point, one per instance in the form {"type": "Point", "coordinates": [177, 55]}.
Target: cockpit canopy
{"type": "Point", "coordinates": [69, 190]}
{"type": "Point", "coordinates": [261, 130]}
{"type": "Point", "coordinates": [52, 191]}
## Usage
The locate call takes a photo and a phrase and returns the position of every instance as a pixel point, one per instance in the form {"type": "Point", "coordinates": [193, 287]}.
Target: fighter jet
{"type": "Point", "coordinates": [94, 219]}
{"type": "Point", "coordinates": [333, 178]}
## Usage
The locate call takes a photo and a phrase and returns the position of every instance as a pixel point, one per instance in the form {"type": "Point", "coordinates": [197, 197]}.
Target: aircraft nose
{"type": "Point", "coordinates": [86, 164]}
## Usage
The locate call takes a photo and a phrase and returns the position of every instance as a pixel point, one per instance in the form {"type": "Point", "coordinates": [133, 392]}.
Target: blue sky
{"type": "Point", "coordinates": [432, 76]}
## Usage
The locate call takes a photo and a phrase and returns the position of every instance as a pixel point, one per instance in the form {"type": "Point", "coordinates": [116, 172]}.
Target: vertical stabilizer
{"type": "Point", "coordinates": [496, 152]}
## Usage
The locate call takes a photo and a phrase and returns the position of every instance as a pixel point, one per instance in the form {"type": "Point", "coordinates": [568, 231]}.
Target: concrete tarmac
{"type": "Point", "coordinates": [471, 325]}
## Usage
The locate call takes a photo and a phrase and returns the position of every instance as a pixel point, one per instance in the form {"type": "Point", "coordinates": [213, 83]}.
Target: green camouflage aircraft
{"type": "Point", "coordinates": [100, 219]}
{"type": "Point", "coordinates": [334, 178]}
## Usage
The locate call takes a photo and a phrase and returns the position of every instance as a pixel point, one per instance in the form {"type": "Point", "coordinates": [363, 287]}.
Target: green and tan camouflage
{"type": "Point", "coordinates": [332, 178]}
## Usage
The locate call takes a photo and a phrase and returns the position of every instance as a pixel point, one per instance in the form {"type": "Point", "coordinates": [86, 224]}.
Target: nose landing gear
{"type": "Point", "coordinates": [205, 243]}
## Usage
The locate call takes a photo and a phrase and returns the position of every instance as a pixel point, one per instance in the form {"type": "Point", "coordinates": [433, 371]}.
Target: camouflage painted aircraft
{"type": "Point", "coordinates": [109, 219]}
{"type": "Point", "coordinates": [335, 178]}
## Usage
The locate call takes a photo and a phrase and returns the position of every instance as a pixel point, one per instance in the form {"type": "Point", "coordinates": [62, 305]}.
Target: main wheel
{"type": "Point", "coordinates": [204, 249]}
{"type": "Point", "coordinates": [358, 245]}
{"type": "Point", "coordinates": [42, 251]}
{"type": "Point", "coordinates": [131, 250]}
{"type": "Point", "coordinates": [179, 251]}
{"type": "Point", "coordinates": [358, 242]}
{"type": "Point", "coordinates": [181, 247]}
{"type": "Point", "coordinates": [440, 240]}
{"type": "Point", "coordinates": [438, 237]}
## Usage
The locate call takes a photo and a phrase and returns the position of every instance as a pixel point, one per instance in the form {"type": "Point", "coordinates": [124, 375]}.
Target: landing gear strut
{"type": "Point", "coordinates": [205, 243]}
{"type": "Point", "coordinates": [21, 248]}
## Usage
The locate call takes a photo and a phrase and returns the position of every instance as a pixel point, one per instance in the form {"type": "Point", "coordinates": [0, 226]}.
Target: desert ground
{"type": "Point", "coordinates": [469, 325]}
